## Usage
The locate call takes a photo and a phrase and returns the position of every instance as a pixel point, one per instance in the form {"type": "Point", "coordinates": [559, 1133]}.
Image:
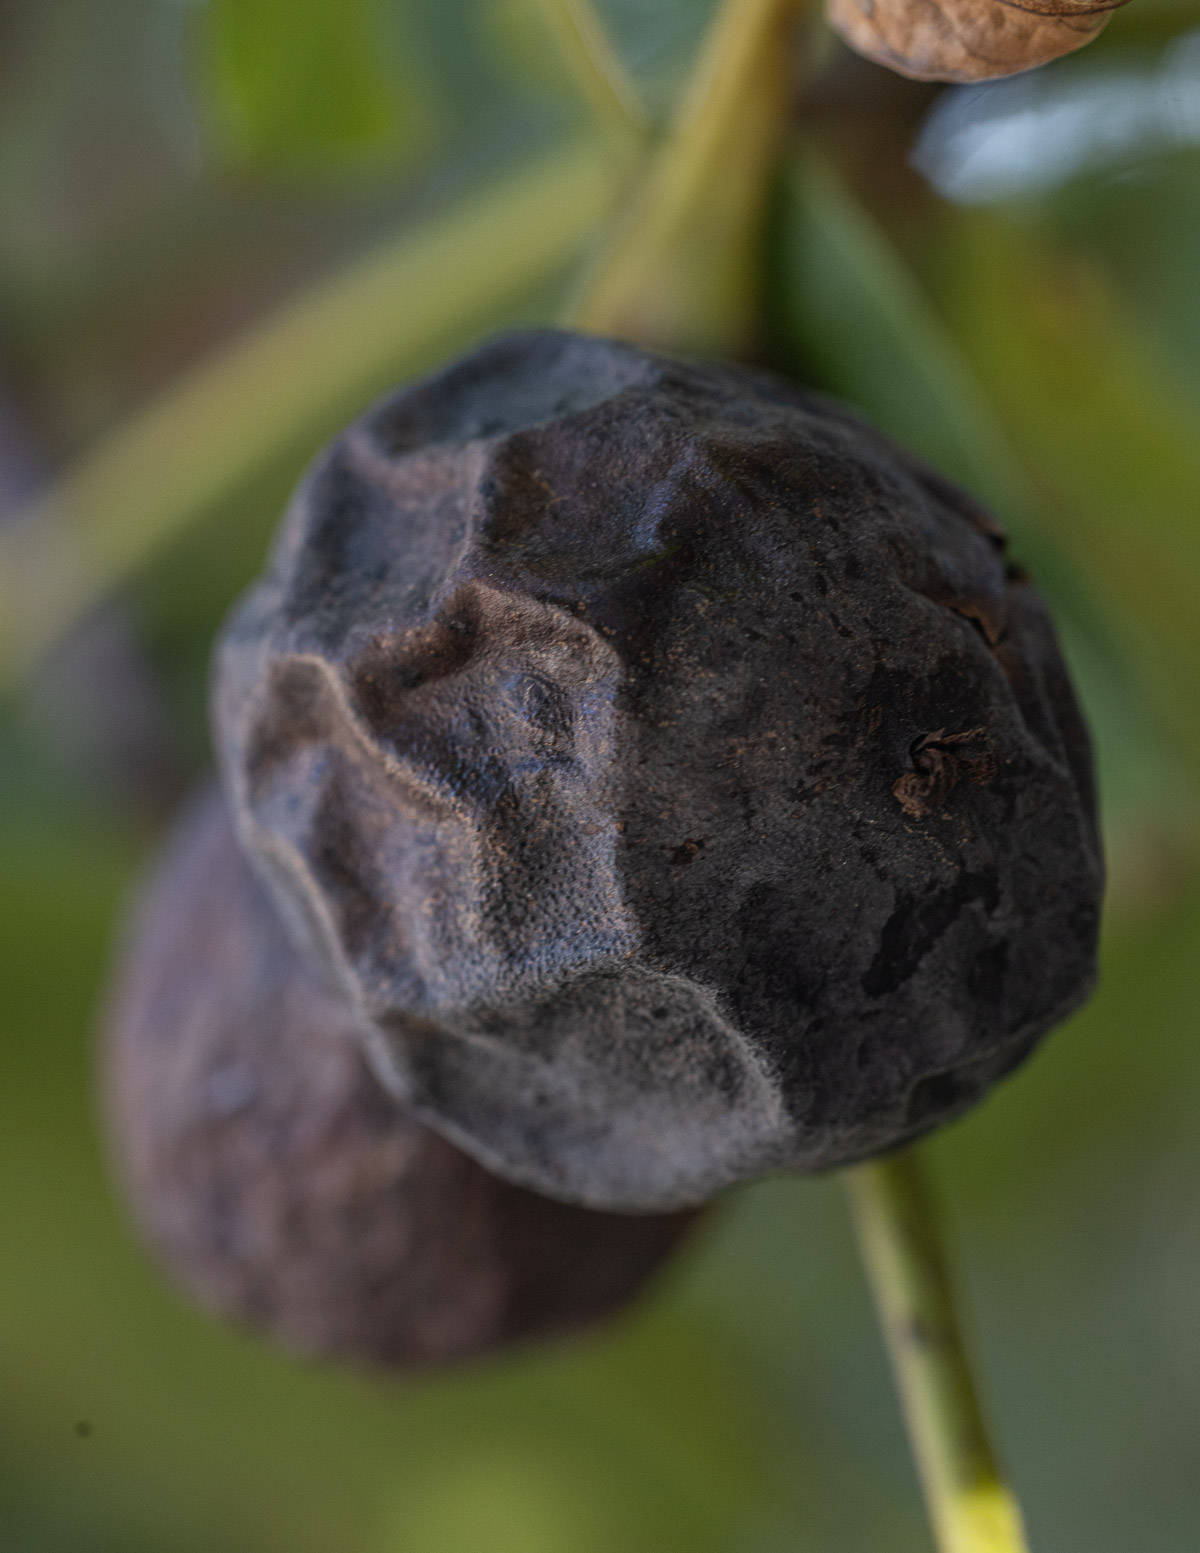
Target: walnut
{"type": "Point", "coordinates": [967, 40]}
{"type": "Point", "coordinates": [672, 775]}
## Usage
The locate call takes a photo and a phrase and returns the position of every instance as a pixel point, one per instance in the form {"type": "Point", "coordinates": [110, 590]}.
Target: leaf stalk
{"type": "Point", "coordinates": [970, 1506]}
{"type": "Point", "coordinates": [683, 269]}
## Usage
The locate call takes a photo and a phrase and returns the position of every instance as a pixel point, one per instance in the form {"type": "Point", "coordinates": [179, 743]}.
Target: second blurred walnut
{"type": "Point", "coordinates": [284, 1186]}
{"type": "Point", "coordinates": [967, 40]}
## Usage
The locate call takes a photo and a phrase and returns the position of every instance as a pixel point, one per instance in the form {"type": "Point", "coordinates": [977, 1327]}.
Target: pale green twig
{"type": "Point", "coordinates": [597, 70]}
{"type": "Point", "coordinates": [287, 384]}
{"type": "Point", "coordinates": [970, 1506]}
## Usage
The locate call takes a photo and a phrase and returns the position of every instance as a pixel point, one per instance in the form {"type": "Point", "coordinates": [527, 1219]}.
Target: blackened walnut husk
{"type": "Point", "coordinates": [673, 774]}
{"type": "Point", "coordinates": [283, 1185]}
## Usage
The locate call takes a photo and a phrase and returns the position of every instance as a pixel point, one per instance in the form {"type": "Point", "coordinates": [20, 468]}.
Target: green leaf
{"type": "Point", "coordinates": [306, 83]}
{"type": "Point", "coordinates": [1114, 440]}
{"type": "Point", "coordinates": [1149, 21]}
{"type": "Point", "coordinates": [848, 312]}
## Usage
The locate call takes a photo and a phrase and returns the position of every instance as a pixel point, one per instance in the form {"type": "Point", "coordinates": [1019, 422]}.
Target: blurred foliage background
{"type": "Point", "coordinates": [224, 227]}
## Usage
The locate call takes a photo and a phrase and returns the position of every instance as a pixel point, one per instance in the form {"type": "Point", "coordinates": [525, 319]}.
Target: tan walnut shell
{"type": "Point", "coordinates": [967, 40]}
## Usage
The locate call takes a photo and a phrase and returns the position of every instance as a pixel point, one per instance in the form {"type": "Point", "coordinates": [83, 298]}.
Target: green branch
{"type": "Point", "coordinates": [970, 1506]}
{"type": "Point", "coordinates": [682, 270]}
{"type": "Point", "coordinates": [597, 70]}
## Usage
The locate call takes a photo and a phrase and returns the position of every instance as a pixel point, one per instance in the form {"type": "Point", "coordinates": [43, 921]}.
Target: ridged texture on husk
{"type": "Point", "coordinates": [967, 40]}
{"type": "Point", "coordinates": [284, 1186]}
{"type": "Point", "coordinates": [672, 773]}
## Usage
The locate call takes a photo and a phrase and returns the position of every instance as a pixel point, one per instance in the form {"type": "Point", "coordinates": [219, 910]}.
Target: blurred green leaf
{"type": "Point", "coordinates": [1144, 223]}
{"type": "Point", "coordinates": [296, 378]}
{"type": "Point", "coordinates": [848, 312]}
{"type": "Point", "coordinates": [516, 34]}
{"type": "Point", "coordinates": [1148, 21]}
{"type": "Point", "coordinates": [306, 83]}
{"type": "Point", "coordinates": [563, 47]}
{"type": "Point", "coordinates": [640, 1438]}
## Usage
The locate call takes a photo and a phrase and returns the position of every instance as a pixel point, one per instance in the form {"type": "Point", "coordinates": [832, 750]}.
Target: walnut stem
{"type": "Point", "coordinates": [681, 269]}
{"type": "Point", "coordinates": [970, 1506]}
